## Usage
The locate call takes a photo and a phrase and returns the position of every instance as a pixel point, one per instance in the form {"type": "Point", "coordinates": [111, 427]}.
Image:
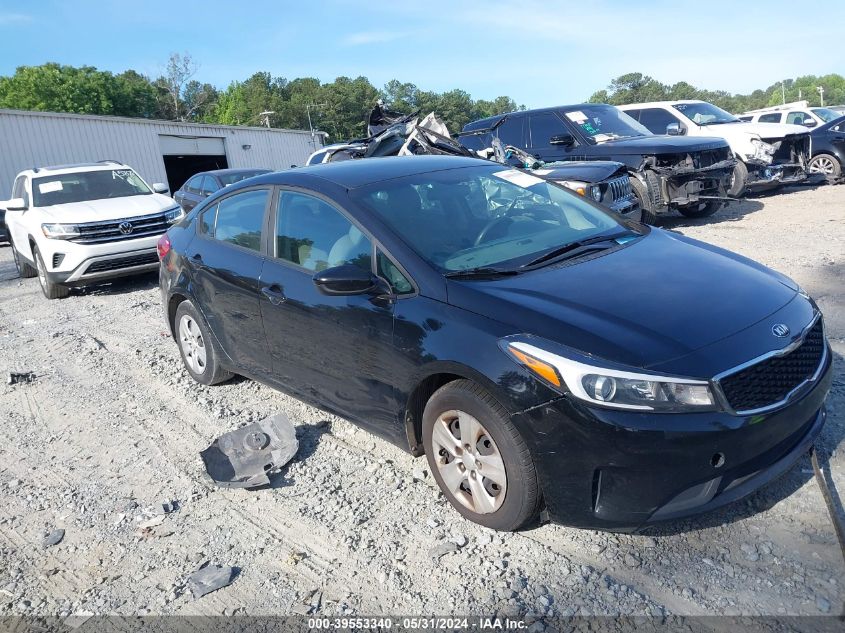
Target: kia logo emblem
{"type": "Point", "coordinates": [126, 229]}
{"type": "Point", "coordinates": [780, 330]}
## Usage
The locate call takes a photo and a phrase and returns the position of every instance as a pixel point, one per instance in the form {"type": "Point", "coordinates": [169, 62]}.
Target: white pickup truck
{"type": "Point", "coordinates": [768, 154]}
{"type": "Point", "coordinates": [73, 225]}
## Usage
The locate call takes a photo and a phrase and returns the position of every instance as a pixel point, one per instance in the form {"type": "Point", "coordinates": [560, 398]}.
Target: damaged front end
{"type": "Point", "coordinates": [778, 161]}
{"type": "Point", "coordinates": [689, 179]}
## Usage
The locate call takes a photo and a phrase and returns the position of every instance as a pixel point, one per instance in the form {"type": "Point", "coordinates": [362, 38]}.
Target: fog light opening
{"type": "Point", "coordinates": [718, 460]}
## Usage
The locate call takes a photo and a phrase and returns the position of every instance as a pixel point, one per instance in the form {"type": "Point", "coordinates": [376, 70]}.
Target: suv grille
{"type": "Point", "coordinates": [619, 188]}
{"type": "Point", "coordinates": [122, 262]}
{"type": "Point", "coordinates": [770, 381]}
{"type": "Point", "coordinates": [140, 226]}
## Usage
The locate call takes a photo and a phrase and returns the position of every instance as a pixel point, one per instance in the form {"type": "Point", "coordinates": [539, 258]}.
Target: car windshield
{"type": "Point", "coordinates": [600, 123]}
{"type": "Point", "coordinates": [87, 185]}
{"type": "Point", "coordinates": [705, 113]}
{"type": "Point", "coordinates": [484, 216]}
{"type": "Point", "coordinates": [231, 179]}
{"type": "Point", "coordinates": [825, 114]}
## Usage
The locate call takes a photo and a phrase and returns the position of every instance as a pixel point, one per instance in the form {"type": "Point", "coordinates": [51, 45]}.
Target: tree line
{"type": "Point", "coordinates": [339, 108]}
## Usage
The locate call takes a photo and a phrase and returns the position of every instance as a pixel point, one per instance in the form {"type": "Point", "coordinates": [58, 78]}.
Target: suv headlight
{"type": "Point", "coordinates": [610, 387]}
{"type": "Point", "coordinates": [174, 215]}
{"type": "Point", "coordinates": [60, 231]}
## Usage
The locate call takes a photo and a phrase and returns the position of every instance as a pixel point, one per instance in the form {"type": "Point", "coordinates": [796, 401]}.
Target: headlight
{"type": "Point", "coordinates": [613, 388]}
{"type": "Point", "coordinates": [762, 150]}
{"type": "Point", "coordinates": [174, 215]}
{"type": "Point", "coordinates": [60, 231]}
{"type": "Point", "coordinates": [595, 193]}
{"type": "Point", "coordinates": [577, 186]}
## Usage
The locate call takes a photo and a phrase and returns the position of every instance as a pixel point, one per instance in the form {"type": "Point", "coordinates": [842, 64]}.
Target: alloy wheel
{"type": "Point", "coordinates": [822, 165]}
{"type": "Point", "coordinates": [469, 462]}
{"type": "Point", "coordinates": [192, 343]}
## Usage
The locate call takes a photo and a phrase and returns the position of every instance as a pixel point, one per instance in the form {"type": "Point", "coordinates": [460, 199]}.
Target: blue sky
{"type": "Point", "coordinates": [538, 52]}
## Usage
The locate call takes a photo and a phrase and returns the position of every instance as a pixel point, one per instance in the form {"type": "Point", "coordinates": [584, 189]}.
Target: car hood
{"type": "Point", "coordinates": [108, 208]}
{"type": "Point", "coordinates": [659, 298]}
{"type": "Point", "coordinates": [662, 144]}
{"type": "Point", "coordinates": [763, 130]}
{"type": "Point", "coordinates": [585, 171]}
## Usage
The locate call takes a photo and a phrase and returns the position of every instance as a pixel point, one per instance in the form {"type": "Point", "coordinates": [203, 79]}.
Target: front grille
{"type": "Point", "coordinates": [771, 380]}
{"type": "Point", "coordinates": [709, 157]}
{"type": "Point", "coordinates": [120, 263]}
{"type": "Point", "coordinates": [619, 188]}
{"type": "Point", "coordinates": [140, 226]}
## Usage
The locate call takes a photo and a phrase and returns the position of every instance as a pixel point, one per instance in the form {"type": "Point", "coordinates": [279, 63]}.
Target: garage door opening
{"type": "Point", "coordinates": [180, 168]}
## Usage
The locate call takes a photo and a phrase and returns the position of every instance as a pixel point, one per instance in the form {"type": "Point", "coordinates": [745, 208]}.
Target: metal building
{"type": "Point", "coordinates": [160, 151]}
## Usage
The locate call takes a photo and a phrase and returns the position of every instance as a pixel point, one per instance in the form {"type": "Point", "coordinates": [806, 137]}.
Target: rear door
{"type": "Point", "coordinates": [334, 350]}
{"type": "Point", "coordinates": [226, 260]}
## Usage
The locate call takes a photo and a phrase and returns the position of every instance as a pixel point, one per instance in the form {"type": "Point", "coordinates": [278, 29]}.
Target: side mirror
{"type": "Point", "coordinates": [562, 139]}
{"type": "Point", "coordinates": [674, 129]}
{"type": "Point", "coordinates": [809, 123]}
{"type": "Point", "coordinates": [16, 204]}
{"type": "Point", "coordinates": [349, 279]}
{"type": "Point", "coordinates": [160, 187]}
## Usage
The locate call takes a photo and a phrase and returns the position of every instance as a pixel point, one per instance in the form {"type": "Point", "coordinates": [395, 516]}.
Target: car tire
{"type": "Point", "coordinates": [739, 179]}
{"type": "Point", "coordinates": [495, 444]}
{"type": "Point", "coordinates": [24, 270]}
{"type": "Point", "coordinates": [702, 210]}
{"type": "Point", "coordinates": [51, 290]}
{"type": "Point", "coordinates": [646, 198]}
{"type": "Point", "coordinates": [200, 355]}
{"type": "Point", "coordinates": [826, 164]}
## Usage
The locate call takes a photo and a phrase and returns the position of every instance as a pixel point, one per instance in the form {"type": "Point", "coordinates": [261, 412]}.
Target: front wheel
{"type": "Point", "coordinates": [646, 198]}
{"type": "Point", "coordinates": [739, 180]}
{"type": "Point", "coordinates": [478, 457]}
{"type": "Point", "coordinates": [51, 290]}
{"type": "Point", "coordinates": [24, 270]}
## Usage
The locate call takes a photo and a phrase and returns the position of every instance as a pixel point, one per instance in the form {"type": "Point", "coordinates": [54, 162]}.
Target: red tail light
{"type": "Point", "coordinates": [163, 246]}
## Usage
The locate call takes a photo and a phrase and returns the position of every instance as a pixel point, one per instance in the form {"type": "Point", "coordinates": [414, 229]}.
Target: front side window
{"type": "Point", "coordinates": [209, 186]}
{"type": "Point", "coordinates": [800, 118]}
{"type": "Point", "coordinates": [657, 119]}
{"type": "Point", "coordinates": [480, 216]}
{"type": "Point", "coordinates": [544, 127]}
{"type": "Point", "coordinates": [237, 219]}
{"type": "Point", "coordinates": [601, 123]}
{"type": "Point", "coordinates": [87, 185]}
{"type": "Point", "coordinates": [386, 269]}
{"type": "Point", "coordinates": [774, 117]}
{"type": "Point", "coordinates": [704, 113]}
{"type": "Point", "coordinates": [313, 234]}
{"type": "Point", "coordinates": [19, 188]}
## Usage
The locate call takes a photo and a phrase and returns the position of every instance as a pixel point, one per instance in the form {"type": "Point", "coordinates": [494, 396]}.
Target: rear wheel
{"type": "Point", "coordinates": [702, 210]}
{"type": "Point", "coordinates": [199, 354]}
{"type": "Point", "coordinates": [51, 290]}
{"type": "Point", "coordinates": [647, 197]}
{"type": "Point", "coordinates": [825, 164]}
{"type": "Point", "coordinates": [739, 179]}
{"type": "Point", "coordinates": [478, 457]}
{"type": "Point", "coordinates": [24, 270]}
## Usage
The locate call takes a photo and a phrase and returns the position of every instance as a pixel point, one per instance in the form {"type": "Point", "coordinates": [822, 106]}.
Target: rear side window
{"type": "Point", "coordinates": [386, 269]}
{"type": "Point", "coordinates": [656, 119]}
{"type": "Point", "coordinates": [544, 127]}
{"type": "Point", "coordinates": [237, 219]}
{"type": "Point", "coordinates": [774, 117]}
{"type": "Point", "coordinates": [313, 234]}
{"type": "Point", "coordinates": [797, 118]}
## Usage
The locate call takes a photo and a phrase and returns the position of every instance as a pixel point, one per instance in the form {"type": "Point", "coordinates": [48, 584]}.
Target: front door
{"type": "Point", "coordinates": [226, 262]}
{"type": "Point", "coordinates": [333, 350]}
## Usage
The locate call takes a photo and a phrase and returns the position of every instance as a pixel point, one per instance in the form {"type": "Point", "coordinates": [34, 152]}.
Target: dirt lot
{"type": "Point", "coordinates": [113, 425]}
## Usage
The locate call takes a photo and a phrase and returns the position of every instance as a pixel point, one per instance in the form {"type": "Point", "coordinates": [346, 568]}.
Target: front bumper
{"type": "Point", "coordinates": [99, 268]}
{"type": "Point", "coordinates": [619, 470]}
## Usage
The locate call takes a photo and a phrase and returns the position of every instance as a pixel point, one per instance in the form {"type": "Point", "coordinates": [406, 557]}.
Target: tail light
{"type": "Point", "coordinates": [163, 246]}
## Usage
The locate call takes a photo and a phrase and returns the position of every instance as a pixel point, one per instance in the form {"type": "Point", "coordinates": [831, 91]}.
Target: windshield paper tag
{"type": "Point", "coordinates": [50, 187]}
{"type": "Point", "coordinates": [577, 116]}
{"type": "Point", "coordinates": [519, 178]}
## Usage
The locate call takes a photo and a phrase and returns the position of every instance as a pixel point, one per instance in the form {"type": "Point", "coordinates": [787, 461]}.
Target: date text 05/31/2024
{"type": "Point", "coordinates": [421, 623]}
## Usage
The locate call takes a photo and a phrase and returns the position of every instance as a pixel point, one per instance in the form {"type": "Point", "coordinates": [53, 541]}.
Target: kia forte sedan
{"type": "Point", "coordinates": [550, 359]}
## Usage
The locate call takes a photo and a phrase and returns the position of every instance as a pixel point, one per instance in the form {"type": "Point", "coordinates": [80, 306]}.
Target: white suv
{"type": "Point", "coordinates": [78, 224]}
{"type": "Point", "coordinates": [768, 155]}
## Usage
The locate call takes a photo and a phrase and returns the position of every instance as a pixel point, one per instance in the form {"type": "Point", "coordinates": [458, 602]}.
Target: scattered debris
{"type": "Point", "coordinates": [210, 578]}
{"type": "Point", "coordinates": [151, 523]}
{"type": "Point", "coordinates": [439, 551]}
{"type": "Point", "coordinates": [53, 538]}
{"type": "Point", "coordinates": [166, 507]}
{"type": "Point", "coordinates": [245, 457]}
{"type": "Point", "coordinates": [296, 557]}
{"type": "Point", "coordinates": [19, 377]}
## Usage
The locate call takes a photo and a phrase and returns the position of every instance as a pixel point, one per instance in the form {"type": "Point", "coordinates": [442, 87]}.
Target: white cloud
{"type": "Point", "coordinates": [13, 18]}
{"type": "Point", "coordinates": [372, 37]}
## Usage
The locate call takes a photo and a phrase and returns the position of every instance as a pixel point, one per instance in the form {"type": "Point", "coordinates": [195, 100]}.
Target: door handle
{"type": "Point", "coordinates": [274, 294]}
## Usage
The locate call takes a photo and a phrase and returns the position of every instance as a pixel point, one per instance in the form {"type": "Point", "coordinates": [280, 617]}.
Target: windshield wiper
{"type": "Point", "coordinates": [481, 271]}
{"type": "Point", "coordinates": [577, 248]}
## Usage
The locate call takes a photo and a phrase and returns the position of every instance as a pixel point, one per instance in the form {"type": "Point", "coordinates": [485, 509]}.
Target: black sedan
{"type": "Point", "coordinates": [199, 186]}
{"type": "Point", "coordinates": [829, 149]}
{"type": "Point", "coordinates": [510, 330]}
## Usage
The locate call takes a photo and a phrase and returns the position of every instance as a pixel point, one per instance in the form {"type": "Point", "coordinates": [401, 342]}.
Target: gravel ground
{"type": "Point", "coordinates": [113, 426]}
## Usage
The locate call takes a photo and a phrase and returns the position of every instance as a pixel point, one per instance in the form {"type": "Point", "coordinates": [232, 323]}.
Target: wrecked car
{"type": "Point", "coordinates": [689, 175]}
{"type": "Point", "coordinates": [500, 325]}
{"type": "Point", "coordinates": [768, 155]}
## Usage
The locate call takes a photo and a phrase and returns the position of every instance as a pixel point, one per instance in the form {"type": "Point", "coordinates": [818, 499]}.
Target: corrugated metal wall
{"type": "Point", "coordinates": [34, 139]}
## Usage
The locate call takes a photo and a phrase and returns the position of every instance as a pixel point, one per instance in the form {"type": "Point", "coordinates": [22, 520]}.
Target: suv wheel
{"type": "Point", "coordinates": [478, 458]}
{"type": "Point", "coordinates": [50, 290]}
{"type": "Point", "coordinates": [739, 178]}
{"type": "Point", "coordinates": [647, 196]}
{"type": "Point", "coordinates": [24, 270]}
{"type": "Point", "coordinates": [199, 354]}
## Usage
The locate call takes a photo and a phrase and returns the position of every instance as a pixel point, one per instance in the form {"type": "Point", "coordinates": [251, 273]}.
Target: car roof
{"type": "Point", "coordinates": [490, 120]}
{"type": "Point", "coordinates": [652, 104]}
{"type": "Point", "coordinates": [351, 174]}
{"type": "Point", "coordinates": [241, 170]}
